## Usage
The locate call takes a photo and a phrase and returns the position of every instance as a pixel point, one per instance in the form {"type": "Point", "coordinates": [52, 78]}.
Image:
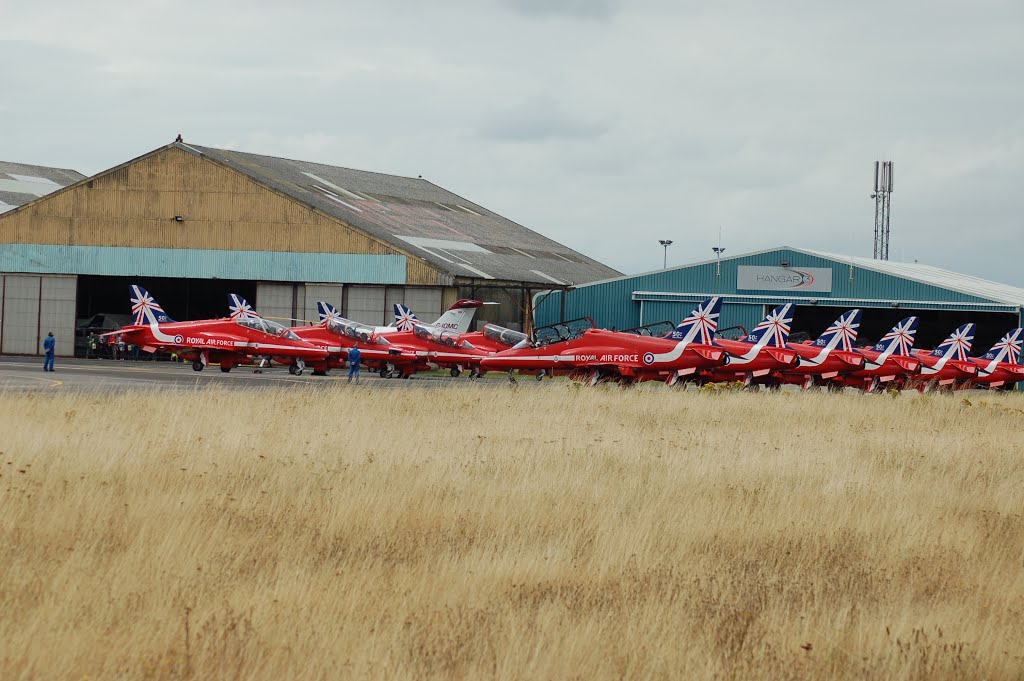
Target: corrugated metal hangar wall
{"type": "Point", "coordinates": [822, 286]}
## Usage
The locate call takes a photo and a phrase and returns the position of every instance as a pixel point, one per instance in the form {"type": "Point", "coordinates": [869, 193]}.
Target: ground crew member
{"type": "Point", "coordinates": [49, 344]}
{"type": "Point", "coordinates": [353, 363]}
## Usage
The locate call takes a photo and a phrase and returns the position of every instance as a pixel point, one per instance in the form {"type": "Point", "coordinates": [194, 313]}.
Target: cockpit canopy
{"type": "Point", "coordinates": [356, 331]}
{"type": "Point", "coordinates": [266, 326]}
{"type": "Point", "coordinates": [441, 336]}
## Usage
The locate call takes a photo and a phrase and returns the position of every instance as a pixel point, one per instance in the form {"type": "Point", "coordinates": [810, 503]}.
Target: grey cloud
{"type": "Point", "coordinates": [584, 9]}
{"type": "Point", "coordinates": [539, 119]}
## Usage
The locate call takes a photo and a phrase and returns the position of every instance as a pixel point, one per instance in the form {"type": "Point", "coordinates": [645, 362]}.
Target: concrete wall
{"type": "Point", "coordinates": [31, 306]}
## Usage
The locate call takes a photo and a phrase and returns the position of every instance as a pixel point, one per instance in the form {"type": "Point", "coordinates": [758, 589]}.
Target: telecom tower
{"type": "Point", "coordinates": [883, 204]}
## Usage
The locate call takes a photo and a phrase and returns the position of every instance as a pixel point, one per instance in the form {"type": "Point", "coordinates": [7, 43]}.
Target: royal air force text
{"type": "Point", "coordinates": [620, 359]}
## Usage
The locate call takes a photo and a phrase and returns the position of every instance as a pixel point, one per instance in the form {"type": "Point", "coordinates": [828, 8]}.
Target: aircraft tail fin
{"type": "Point", "coordinates": [145, 308]}
{"type": "Point", "coordinates": [957, 345]}
{"type": "Point", "coordinates": [900, 340]}
{"type": "Point", "coordinates": [327, 312]}
{"type": "Point", "coordinates": [240, 308]}
{"type": "Point", "coordinates": [842, 335]}
{"type": "Point", "coordinates": [774, 330]}
{"type": "Point", "coordinates": [405, 318]}
{"type": "Point", "coordinates": [1007, 349]}
{"type": "Point", "coordinates": [701, 325]}
{"type": "Point", "coordinates": [459, 316]}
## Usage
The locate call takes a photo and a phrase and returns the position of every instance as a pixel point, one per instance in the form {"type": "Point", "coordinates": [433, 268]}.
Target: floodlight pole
{"type": "Point", "coordinates": [718, 254]}
{"type": "Point", "coordinates": [665, 243]}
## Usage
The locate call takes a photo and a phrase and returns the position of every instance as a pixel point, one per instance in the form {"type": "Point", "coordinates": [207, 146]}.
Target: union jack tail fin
{"type": "Point", "coordinates": [900, 340]}
{"type": "Point", "coordinates": [405, 319]}
{"type": "Point", "coordinates": [700, 326]}
{"type": "Point", "coordinates": [958, 344]}
{"type": "Point", "coordinates": [240, 308]}
{"type": "Point", "coordinates": [145, 309]}
{"type": "Point", "coordinates": [327, 312]}
{"type": "Point", "coordinates": [774, 330]}
{"type": "Point", "coordinates": [842, 335]}
{"type": "Point", "coordinates": [1007, 349]}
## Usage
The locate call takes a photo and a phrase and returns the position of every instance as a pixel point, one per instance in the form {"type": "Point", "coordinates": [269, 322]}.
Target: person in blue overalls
{"type": "Point", "coordinates": [49, 344]}
{"type": "Point", "coordinates": [353, 363]}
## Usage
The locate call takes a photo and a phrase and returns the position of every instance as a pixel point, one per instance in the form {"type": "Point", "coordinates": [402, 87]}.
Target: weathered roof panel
{"type": "Point", "coordinates": [21, 182]}
{"type": "Point", "coordinates": [448, 231]}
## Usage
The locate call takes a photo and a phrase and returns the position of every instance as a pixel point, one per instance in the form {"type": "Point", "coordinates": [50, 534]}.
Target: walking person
{"type": "Point", "coordinates": [49, 346]}
{"type": "Point", "coordinates": [353, 363]}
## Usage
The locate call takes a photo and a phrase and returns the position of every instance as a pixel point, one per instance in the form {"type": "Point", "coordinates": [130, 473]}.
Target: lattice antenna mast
{"type": "Point", "coordinates": [883, 208]}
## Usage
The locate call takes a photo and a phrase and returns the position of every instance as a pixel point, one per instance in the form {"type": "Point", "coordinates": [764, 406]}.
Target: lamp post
{"type": "Point", "coordinates": [665, 243]}
{"type": "Point", "coordinates": [718, 259]}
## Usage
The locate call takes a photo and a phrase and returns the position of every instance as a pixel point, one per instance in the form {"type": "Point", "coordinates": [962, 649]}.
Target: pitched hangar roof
{"type": "Point", "coordinates": [924, 274]}
{"type": "Point", "coordinates": [21, 182]}
{"type": "Point", "coordinates": [452, 234]}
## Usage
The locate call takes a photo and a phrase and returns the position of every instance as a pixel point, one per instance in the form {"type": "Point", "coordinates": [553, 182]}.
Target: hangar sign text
{"type": "Point", "coordinates": [784, 278]}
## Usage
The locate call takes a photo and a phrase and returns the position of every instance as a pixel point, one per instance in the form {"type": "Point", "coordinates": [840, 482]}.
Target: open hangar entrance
{"type": "Point", "coordinates": [933, 326]}
{"type": "Point", "coordinates": [103, 303]}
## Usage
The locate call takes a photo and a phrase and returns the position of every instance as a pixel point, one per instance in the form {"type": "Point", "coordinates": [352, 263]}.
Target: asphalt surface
{"type": "Point", "coordinates": [26, 373]}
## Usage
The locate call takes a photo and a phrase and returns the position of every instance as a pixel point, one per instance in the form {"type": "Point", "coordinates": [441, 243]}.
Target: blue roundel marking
{"type": "Point", "coordinates": [179, 340]}
{"type": "Point", "coordinates": [649, 358]}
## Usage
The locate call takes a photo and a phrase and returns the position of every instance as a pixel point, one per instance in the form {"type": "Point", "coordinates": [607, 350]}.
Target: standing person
{"type": "Point", "coordinates": [353, 363]}
{"type": "Point", "coordinates": [122, 351]}
{"type": "Point", "coordinates": [91, 346]}
{"type": "Point", "coordinates": [49, 345]}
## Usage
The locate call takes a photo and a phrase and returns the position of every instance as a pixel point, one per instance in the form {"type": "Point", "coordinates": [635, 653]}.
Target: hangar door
{"type": "Point", "coordinates": [30, 307]}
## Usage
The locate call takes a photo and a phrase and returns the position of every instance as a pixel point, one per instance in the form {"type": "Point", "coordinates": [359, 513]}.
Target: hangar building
{"type": "Point", "coordinates": [822, 285]}
{"type": "Point", "coordinates": [192, 224]}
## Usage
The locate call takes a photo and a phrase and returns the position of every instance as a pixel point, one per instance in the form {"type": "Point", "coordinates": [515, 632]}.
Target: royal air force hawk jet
{"type": "Point", "coordinates": [759, 355]}
{"type": "Point", "coordinates": [948, 364]}
{"type": "Point", "coordinates": [404, 353]}
{"type": "Point", "coordinates": [832, 354]}
{"type": "Point", "coordinates": [1000, 366]}
{"type": "Point", "coordinates": [598, 354]}
{"type": "Point", "coordinates": [228, 342]}
{"type": "Point", "coordinates": [890, 359]}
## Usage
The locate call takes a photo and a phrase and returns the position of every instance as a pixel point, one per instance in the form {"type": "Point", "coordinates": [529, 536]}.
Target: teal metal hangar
{"type": "Point", "coordinates": [822, 285]}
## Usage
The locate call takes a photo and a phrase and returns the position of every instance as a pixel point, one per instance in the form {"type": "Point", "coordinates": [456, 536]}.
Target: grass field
{"type": "Point", "coordinates": [544, 532]}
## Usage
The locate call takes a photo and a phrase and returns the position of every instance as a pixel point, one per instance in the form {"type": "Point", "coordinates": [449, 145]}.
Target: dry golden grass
{"type": "Point", "coordinates": [541, 533]}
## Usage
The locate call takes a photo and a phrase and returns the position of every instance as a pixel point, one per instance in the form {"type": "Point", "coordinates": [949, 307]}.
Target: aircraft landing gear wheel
{"type": "Point", "coordinates": [384, 373]}
{"type": "Point", "coordinates": [595, 377]}
{"type": "Point", "coordinates": [455, 372]}
{"type": "Point", "coordinates": [295, 370]}
{"type": "Point", "coordinates": [511, 378]}
{"type": "Point", "coordinates": [225, 368]}
{"type": "Point", "coordinates": [197, 365]}
{"type": "Point", "coordinates": [406, 375]}
{"type": "Point", "coordinates": [540, 375]}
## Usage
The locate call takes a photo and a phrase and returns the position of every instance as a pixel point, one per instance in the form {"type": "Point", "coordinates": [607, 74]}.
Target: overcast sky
{"type": "Point", "coordinates": [605, 125]}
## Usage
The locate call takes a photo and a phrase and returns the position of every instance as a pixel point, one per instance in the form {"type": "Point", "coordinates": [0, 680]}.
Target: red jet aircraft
{"type": "Point", "coordinates": [601, 354]}
{"type": "Point", "coordinates": [887, 361]}
{"type": "Point", "coordinates": [1000, 366]}
{"type": "Point", "coordinates": [401, 353]}
{"type": "Point", "coordinates": [227, 342]}
{"type": "Point", "coordinates": [947, 364]}
{"type": "Point", "coordinates": [754, 359]}
{"type": "Point", "coordinates": [831, 354]}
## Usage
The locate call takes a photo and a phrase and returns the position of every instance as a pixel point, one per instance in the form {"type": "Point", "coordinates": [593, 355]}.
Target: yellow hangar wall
{"type": "Point", "coordinates": [135, 205]}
